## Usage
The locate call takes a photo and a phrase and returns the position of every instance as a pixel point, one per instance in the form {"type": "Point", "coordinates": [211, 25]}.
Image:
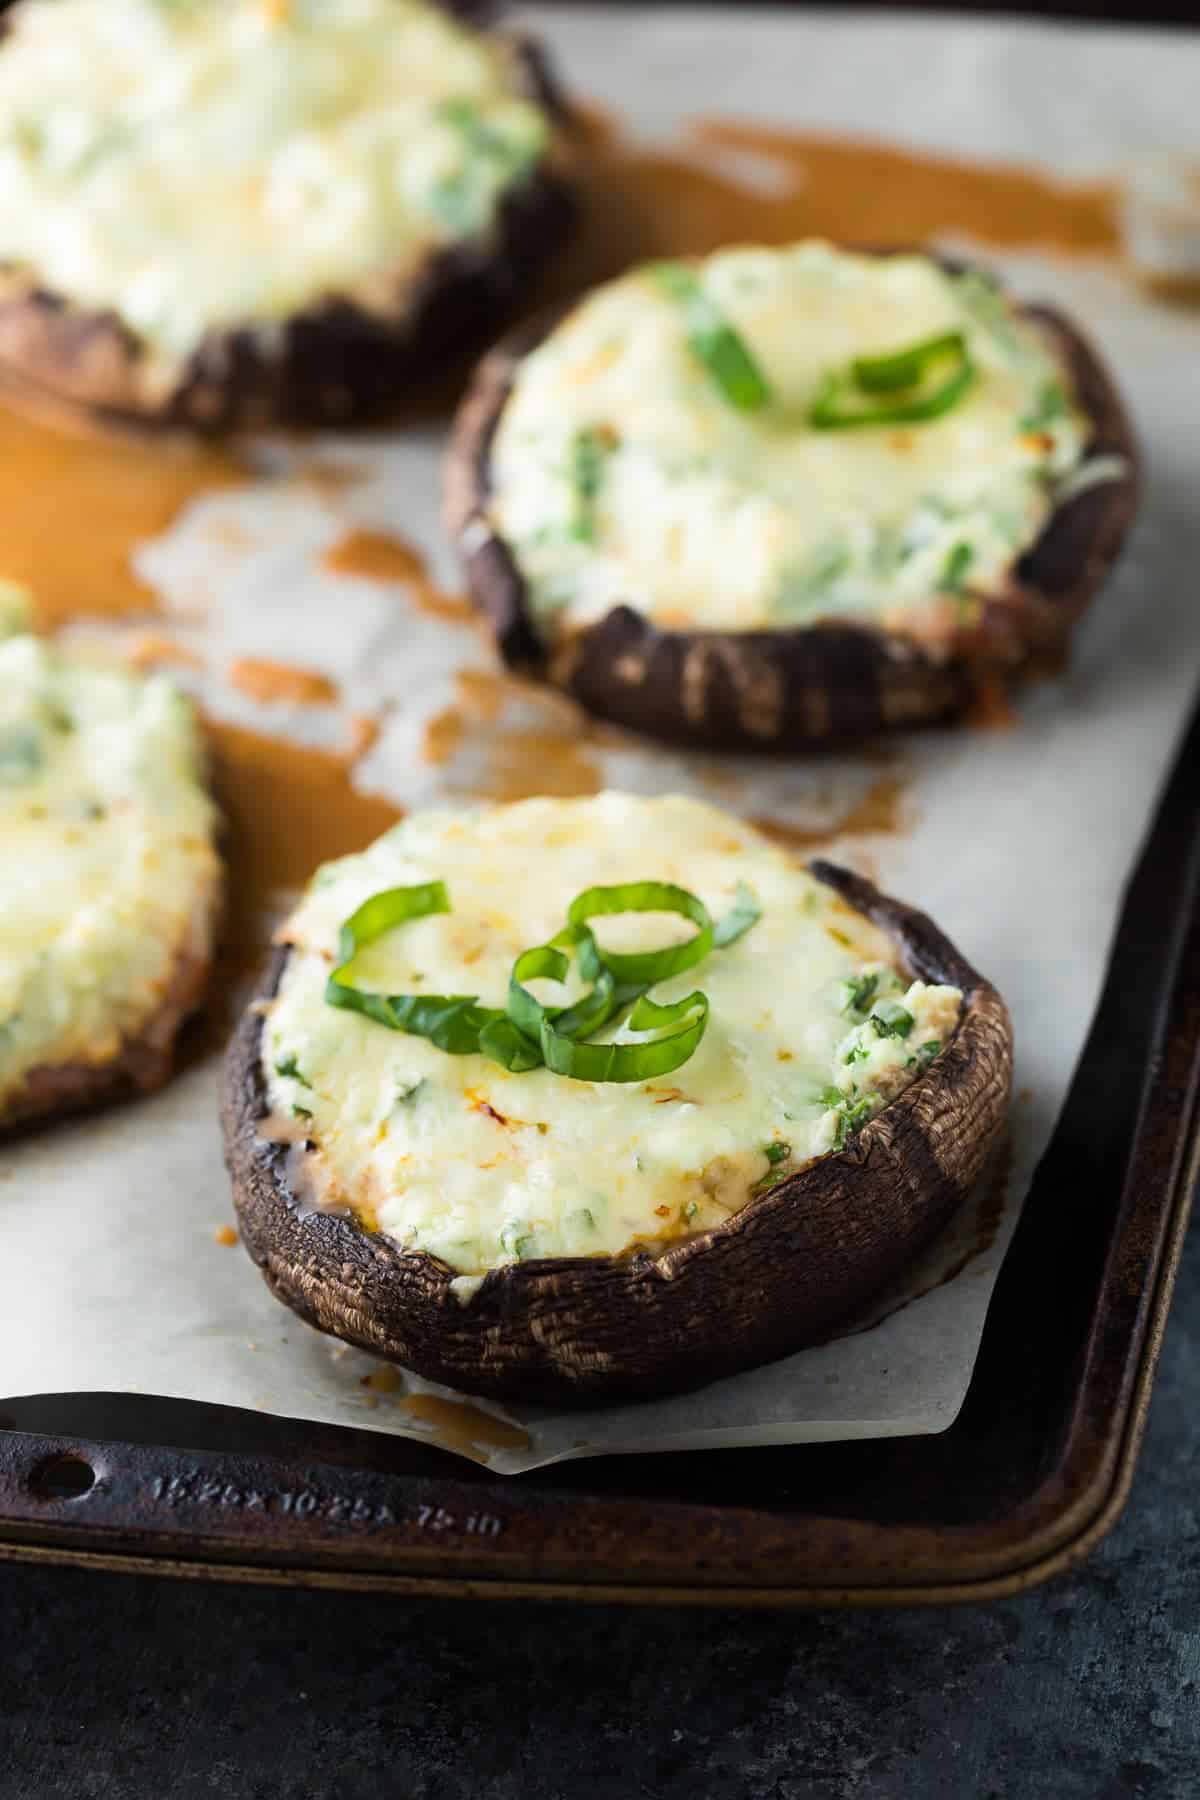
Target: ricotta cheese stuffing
{"type": "Point", "coordinates": [192, 164]}
{"type": "Point", "coordinates": [624, 472]}
{"type": "Point", "coordinates": [107, 863]}
{"type": "Point", "coordinates": [810, 1031]}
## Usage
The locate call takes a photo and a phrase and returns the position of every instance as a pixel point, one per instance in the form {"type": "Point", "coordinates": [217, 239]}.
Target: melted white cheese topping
{"type": "Point", "coordinates": [198, 163]}
{"type": "Point", "coordinates": [459, 1157]}
{"type": "Point", "coordinates": [107, 864]}
{"type": "Point", "coordinates": [707, 516]}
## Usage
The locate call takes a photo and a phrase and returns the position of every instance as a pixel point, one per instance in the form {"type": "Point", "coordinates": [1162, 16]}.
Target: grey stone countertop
{"type": "Point", "coordinates": [132, 1688]}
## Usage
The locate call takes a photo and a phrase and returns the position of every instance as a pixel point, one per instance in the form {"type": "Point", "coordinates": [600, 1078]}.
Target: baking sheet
{"type": "Point", "coordinates": [1017, 841]}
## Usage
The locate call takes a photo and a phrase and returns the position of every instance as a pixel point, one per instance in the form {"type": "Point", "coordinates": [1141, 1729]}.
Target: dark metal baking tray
{"type": "Point", "coordinates": [1032, 1474]}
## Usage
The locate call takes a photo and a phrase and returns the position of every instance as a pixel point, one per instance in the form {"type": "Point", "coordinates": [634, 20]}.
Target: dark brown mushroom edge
{"type": "Point", "coordinates": [175, 332]}
{"type": "Point", "coordinates": [745, 1246]}
{"type": "Point", "coordinates": [110, 881]}
{"type": "Point", "coordinates": [741, 621]}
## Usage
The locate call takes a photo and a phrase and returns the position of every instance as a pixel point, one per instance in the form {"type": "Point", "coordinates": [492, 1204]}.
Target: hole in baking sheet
{"type": "Point", "coordinates": [63, 1478]}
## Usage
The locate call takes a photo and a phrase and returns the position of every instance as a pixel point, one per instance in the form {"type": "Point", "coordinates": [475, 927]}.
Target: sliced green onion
{"type": "Point", "coordinates": [451, 1022]}
{"type": "Point", "coordinates": [744, 913]}
{"type": "Point", "coordinates": [548, 962]}
{"type": "Point", "coordinates": [543, 963]}
{"type": "Point", "coordinates": [647, 966]}
{"type": "Point", "coordinates": [504, 1044]}
{"type": "Point", "coordinates": [901, 369]}
{"type": "Point", "coordinates": [679, 1028]}
{"type": "Point", "coordinates": [527, 1034]}
{"type": "Point", "coordinates": [712, 340]}
{"type": "Point", "coordinates": [840, 403]}
{"type": "Point", "coordinates": [383, 912]}
{"type": "Point", "coordinates": [925, 1053]}
{"type": "Point", "coordinates": [777, 1152]}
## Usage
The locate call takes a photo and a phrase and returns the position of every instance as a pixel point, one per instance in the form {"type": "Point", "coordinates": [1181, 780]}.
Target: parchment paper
{"type": "Point", "coordinates": [1018, 842]}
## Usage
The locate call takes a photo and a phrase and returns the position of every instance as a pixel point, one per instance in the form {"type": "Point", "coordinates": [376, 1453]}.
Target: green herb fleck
{"type": "Point", "coordinates": [517, 1240]}
{"type": "Point", "coordinates": [891, 1019]}
{"type": "Point", "coordinates": [289, 1067]}
{"type": "Point", "coordinates": [803, 588]}
{"type": "Point", "coordinates": [828, 1097]}
{"type": "Point", "coordinates": [775, 1152]}
{"type": "Point", "coordinates": [688, 1211]}
{"type": "Point", "coordinates": [858, 991]}
{"type": "Point", "coordinates": [984, 297]}
{"type": "Point", "coordinates": [20, 754]}
{"type": "Point", "coordinates": [924, 1054]}
{"type": "Point", "coordinates": [459, 200]}
{"type": "Point", "coordinates": [301, 1112]}
{"type": "Point", "coordinates": [954, 569]}
{"type": "Point", "coordinates": [590, 451]}
{"type": "Point", "coordinates": [1051, 405]}
{"type": "Point", "coordinates": [853, 1120]}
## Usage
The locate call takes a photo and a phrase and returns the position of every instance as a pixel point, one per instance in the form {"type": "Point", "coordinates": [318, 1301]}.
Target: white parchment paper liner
{"type": "Point", "coordinates": [1018, 845]}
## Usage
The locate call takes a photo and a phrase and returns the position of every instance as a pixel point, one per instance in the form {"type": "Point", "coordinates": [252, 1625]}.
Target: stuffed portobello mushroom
{"type": "Point", "coordinates": [234, 212]}
{"type": "Point", "coordinates": [789, 495]}
{"type": "Point", "coordinates": [109, 880]}
{"type": "Point", "coordinates": [592, 1100]}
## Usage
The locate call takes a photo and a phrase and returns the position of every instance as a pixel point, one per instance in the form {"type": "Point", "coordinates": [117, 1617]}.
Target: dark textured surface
{"type": "Point", "coordinates": [1088, 1689]}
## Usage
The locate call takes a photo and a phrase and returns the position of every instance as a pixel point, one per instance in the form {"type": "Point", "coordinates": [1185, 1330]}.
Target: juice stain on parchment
{"type": "Point", "coordinates": [455, 1425]}
{"type": "Point", "coordinates": [468, 1430]}
{"type": "Point", "coordinates": [556, 749]}
{"type": "Point", "coordinates": [287, 808]}
{"type": "Point", "coordinates": [276, 683]}
{"type": "Point", "coordinates": [878, 811]}
{"type": "Point", "coordinates": [547, 745]}
{"type": "Point", "coordinates": [386, 556]}
{"type": "Point", "coordinates": [74, 504]}
{"type": "Point", "coordinates": [692, 196]}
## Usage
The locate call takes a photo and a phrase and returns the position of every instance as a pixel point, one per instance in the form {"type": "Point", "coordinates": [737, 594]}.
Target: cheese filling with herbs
{"type": "Point", "coordinates": [107, 865]}
{"type": "Point", "coordinates": [192, 164]}
{"type": "Point", "coordinates": [697, 442]}
{"type": "Point", "coordinates": [810, 1032]}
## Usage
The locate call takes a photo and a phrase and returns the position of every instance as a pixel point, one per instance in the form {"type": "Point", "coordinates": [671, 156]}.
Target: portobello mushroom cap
{"type": "Point", "coordinates": [348, 358]}
{"type": "Point", "coordinates": [143, 1063]}
{"type": "Point", "coordinates": [583, 1331]}
{"type": "Point", "coordinates": [106, 1015]}
{"type": "Point", "coordinates": [833, 679]}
